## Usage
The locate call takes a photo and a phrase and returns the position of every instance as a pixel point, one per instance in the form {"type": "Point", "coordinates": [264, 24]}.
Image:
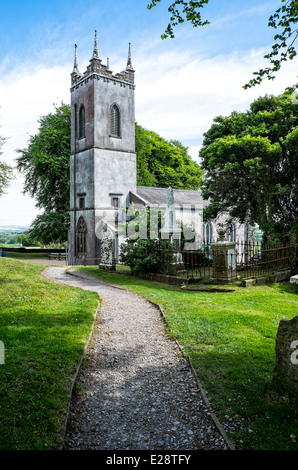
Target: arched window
{"type": "Point", "coordinates": [207, 233]}
{"type": "Point", "coordinates": [81, 237]}
{"type": "Point", "coordinates": [115, 121]}
{"type": "Point", "coordinates": [82, 122]}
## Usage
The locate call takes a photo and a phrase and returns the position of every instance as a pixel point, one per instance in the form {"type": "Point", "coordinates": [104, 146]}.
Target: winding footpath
{"type": "Point", "coordinates": [139, 392]}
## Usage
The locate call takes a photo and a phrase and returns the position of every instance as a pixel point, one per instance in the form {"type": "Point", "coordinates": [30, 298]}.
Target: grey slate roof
{"type": "Point", "coordinates": [158, 197]}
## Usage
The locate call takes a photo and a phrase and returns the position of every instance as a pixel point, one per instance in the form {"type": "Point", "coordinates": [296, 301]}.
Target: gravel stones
{"type": "Point", "coordinates": [138, 392]}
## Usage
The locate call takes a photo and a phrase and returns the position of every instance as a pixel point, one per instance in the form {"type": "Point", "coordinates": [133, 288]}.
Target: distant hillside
{"type": "Point", "coordinates": [9, 234]}
{"type": "Point", "coordinates": [18, 228]}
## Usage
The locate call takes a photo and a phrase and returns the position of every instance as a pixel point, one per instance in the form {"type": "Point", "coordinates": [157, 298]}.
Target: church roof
{"type": "Point", "coordinates": [158, 197]}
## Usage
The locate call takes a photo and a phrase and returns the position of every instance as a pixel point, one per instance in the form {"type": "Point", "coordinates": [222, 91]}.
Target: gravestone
{"type": "Point", "coordinates": [285, 377]}
{"type": "Point", "coordinates": [107, 249]}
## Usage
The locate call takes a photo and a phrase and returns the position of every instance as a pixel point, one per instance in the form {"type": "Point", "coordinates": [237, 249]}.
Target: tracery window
{"type": "Point", "coordinates": [115, 121]}
{"type": "Point", "coordinates": [81, 237]}
{"type": "Point", "coordinates": [82, 122]}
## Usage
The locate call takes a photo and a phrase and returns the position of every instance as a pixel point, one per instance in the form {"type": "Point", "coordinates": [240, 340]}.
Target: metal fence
{"type": "Point", "coordinates": [255, 259]}
{"type": "Point", "coordinates": [229, 262]}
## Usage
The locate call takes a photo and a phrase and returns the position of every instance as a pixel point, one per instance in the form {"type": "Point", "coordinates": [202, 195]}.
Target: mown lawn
{"type": "Point", "coordinates": [230, 338]}
{"type": "Point", "coordinates": [44, 328]}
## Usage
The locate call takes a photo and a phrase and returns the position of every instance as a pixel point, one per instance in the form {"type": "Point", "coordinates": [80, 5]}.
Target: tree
{"type": "Point", "coordinates": [145, 250]}
{"type": "Point", "coordinates": [283, 49]}
{"type": "Point", "coordinates": [45, 164]}
{"type": "Point", "coordinates": [181, 11]}
{"type": "Point", "coordinates": [283, 19]}
{"type": "Point", "coordinates": [251, 165]}
{"type": "Point", "coordinates": [164, 163]}
{"type": "Point", "coordinates": [26, 239]}
{"type": "Point", "coordinates": [5, 171]}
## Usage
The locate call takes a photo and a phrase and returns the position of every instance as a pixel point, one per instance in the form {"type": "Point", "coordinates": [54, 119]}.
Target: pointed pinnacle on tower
{"type": "Point", "coordinates": [129, 63]}
{"type": "Point", "coordinates": [75, 66]}
{"type": "Point", "coordinates": [95, 50]}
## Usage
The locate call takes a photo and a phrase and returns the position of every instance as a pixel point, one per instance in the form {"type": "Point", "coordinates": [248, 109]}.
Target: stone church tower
{"type": "Point", "coordinates": [103, 159]}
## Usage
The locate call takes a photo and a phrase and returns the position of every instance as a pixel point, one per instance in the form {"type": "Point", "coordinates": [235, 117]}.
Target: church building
{"type": "Point", "coordinates": [103, 168]}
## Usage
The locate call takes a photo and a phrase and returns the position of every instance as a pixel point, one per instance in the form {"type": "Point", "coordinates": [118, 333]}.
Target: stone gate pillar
{"type": "Point", "coordinates": [224, 259]}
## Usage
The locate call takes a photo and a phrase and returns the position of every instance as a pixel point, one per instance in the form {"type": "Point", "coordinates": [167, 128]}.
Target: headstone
{"type": "Point", "coordinates": [294, 279]}
{"type": "Point", "coordinates": [107, 248]}
{"type": "Point", "coordinates": [285, 375]}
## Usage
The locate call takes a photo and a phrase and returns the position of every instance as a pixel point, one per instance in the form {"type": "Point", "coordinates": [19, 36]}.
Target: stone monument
{"type": "Point", "coordinates": [224, 258]}
{"type": "Point", "coordinates": [107, 248]}
{"type": "Point", "coordinates": [285, 377]}
{"type": "Point", "coordinates": [171, 232]}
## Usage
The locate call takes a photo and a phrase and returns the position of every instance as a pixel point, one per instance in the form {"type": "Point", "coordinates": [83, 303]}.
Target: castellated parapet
{"type": "Point", "coordinates": [97, 71]}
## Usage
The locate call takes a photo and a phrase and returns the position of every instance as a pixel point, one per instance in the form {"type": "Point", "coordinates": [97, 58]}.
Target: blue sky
{"type": "Point", "coordinates": [181, 83]}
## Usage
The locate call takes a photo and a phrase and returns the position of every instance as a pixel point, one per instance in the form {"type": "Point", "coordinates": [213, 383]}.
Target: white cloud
{"type": "Point", "coordinates": [180, 98]}
{"type": "Point", "coordinates": [25, 94]}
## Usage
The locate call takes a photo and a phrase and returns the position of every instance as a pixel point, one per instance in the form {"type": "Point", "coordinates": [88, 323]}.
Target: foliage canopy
{"type": "Point", "coordinates": [251, 165]}
{"type": "Point", "coordinates": [162, 163]}
{"type": "Point", "coordinates": [45, 164]}
{"type": "Point", "coordinates": [5, 171]}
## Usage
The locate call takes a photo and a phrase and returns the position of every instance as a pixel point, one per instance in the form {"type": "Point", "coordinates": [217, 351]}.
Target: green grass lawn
{"type": "Point", "coordinates": [230, 338]}
{"type": "Point", "coordinates": [44, 328]}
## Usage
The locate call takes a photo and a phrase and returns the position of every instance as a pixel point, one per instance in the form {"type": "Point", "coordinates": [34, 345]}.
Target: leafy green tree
{"type": "Point", "coordinates": [162, 163]}
{"type": "Point", "coordinates": [181, 11]}
{"type": "Point", "coordinates": [251, 165]}
{"type": "Point", "coordinates": [26, 239]}
{"type": "Point", "coordinates": [5, 171]}
{"type": "Point", "coordinates": [144, 251]}
{"type": "Point", "coordinates": [45, 164]}
{"type": "Point", "coordinates": [283, 20]}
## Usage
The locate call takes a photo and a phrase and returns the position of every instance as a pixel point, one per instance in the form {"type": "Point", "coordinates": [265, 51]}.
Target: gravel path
{"type": "Point", "coordinates": [139, 391]}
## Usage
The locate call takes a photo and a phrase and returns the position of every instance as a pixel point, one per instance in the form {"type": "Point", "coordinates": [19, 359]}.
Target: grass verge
{"type": "Point", "coordinates": [230, 338]}
{"type": "Point", "coordinates": [44, 328]}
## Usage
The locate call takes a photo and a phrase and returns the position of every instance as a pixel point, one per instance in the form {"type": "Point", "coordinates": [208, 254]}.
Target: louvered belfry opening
{"type": "Point", "coordinates": [82, 122]}
{"type": "Point", "coordinates": [115, 121]}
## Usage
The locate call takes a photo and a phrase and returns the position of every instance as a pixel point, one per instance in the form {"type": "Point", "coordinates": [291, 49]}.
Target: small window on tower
{"type": "Point", "coordinates": [115, 202]}
{"type": "Point", "coordinates": [82, 203]}
{"type": "Point", "coordinates": [82, 122]}
{"type": "Point", "coordinates": [115, 121]}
